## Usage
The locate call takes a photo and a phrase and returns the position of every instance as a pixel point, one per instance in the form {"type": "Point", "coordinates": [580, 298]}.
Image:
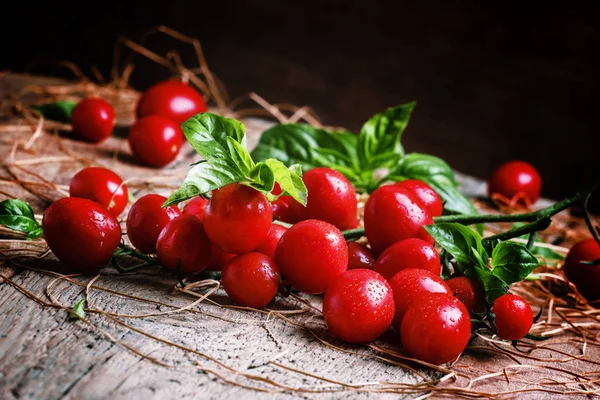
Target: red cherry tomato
{"type": "Point", "coordinates": [218, 258]}
{"type": "Point", "coordinates": [331, 199]}
{"type": "Point", "coordinates": [436, 329]}
{"type": "Point", "coordinates": [408, 253]}
{"type": "Point", "coordinates": [411, 284]}
{"type": "Point", "coordinates": [470, 291]}
{"type": "Point", "coordinates": [358, 306]}
{"type": "Point", "coordinates": [516, 177]}
{"type": "Point", "coordinates": [251, 279]}
{"type": "Point", "coordinates": [269, 245]}
{"type": "Point", "coordinates": [514, 317]}
{"type": "Point", "coordinates": [183, 244]}
{"type": "Point", "coordinates": [585, 277]}
{"type": "Point", "coordinates": [171, 99]}
{"type": "Point", "coordinates": [426, 195]}
{"type": "Point", "coordinates": [155, 140]}
{"type": "Point", "coordinates": [392, 214]}
{"type": "Point", "coordinates": [93, 119]}
{"type": "Point", "coordinates": [102, 186]}
{"type": "Point", "coordinates": [237, 218]}
{"type": "Point", "coordinates": [360, 256]}
{"type": "Point", "coordinates": [311, 255]}
{"type": "Point", "coordinates": [146, 219]}
{"type": "Point", "coordinates": [81, 233]}
{"type": "Point", "coordinates": [280, 208]}
{"type": "Point", "coordinates": [196, 207]}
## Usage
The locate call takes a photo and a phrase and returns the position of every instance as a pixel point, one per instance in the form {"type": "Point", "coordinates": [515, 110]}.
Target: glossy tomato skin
{"type": "Point", "coordinates": [516, 177]}
{"type": "Point", "coordinates": [183, 244]}
{"type": "Point", "coordinates": [102, 186]}
{"type": "Point", "coordinates": [411, 284]}
{"type": "Point", "coordinates": [358, 306]}
{"type": "Point", "coordinates": [196, 207]}
{"type": "Point", "coordinates": [360, 256]}
{"type": "Point", "coordinates": [251, 279]}
{"type": "Point", "coordinates": [218, 258]}
{"type": "Point", "coordinates": [514, 317]}
{"type": "Point", "coordinates": [311, 255]}
{"type": "Point", "coordinates": [281, 209]}
{"type": "Point", "coordinates": [155, 140]}
{"type": "Point", "coordinates": [147, 219]}
{"type": "Point", "coordinates": [392, 213]}
{"type": "Point", "coordinates": [585, 277]}
{"type": "Point", "coordinates": [269, 245]}
{"type": "Point", "coordinates": [436, 329]}
{"type": "Point", "coordinates": [174, 100]}
{"type": "Point", "coordinates": [81, 233]}
{"type": "Point", "coordinates": [470, 291]}
{"type": "Point", "coordinates": [93, 119]}
{"type": "Point", "coordinates": [237, 218]}
{"type": "Point", "coordinates": [425, 194]}
{"type": "Point", "coordinates": [408, 253]}
{"type": "Point", "coordinates": [331, 198]}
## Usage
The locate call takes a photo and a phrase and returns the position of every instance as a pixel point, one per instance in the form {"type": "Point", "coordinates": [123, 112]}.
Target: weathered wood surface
{"type": "Point", "coordinates": [44, 355]}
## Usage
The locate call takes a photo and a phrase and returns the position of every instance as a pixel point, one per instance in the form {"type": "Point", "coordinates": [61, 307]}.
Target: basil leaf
{"type": "Point", "coordinates": [460, 241]}
{"type": "Point", "coordinates": [288, 178]}
{"type": "Point", "coordinates": [312, 147]}
{"type": "Point", "coordinates": [77, 311]}
{"type": "Point", "coordinates": [493, 285]}
{"type": "Point", "coordinates": [240, 156]}
{"type": "Point", "coordinates": [59, 111]}
{"type": "Point", "coordinates": [208, 133]}
{"type": "Point", "coordinates": [18, 215]}
{"type": "Point", "coordinates": [512, 262]}
{"type": "Point", "coordinates": [204, 177]}
{"type": "Point", "coordinates": [262, 178]}
{"type": "Point", "coordinates": [418, 166]}
{"type": "Point", "coordinates": [381, 134]}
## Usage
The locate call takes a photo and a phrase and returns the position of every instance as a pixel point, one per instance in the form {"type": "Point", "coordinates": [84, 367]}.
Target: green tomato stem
{"type": "Point", "coordinates": [588, 220]}
{"type": "Point", "coordinates": [353, 234]}
{"type": "Point", "coordinates": [125, 250]}
{"type": "Point", "coordinates": [539, 225]}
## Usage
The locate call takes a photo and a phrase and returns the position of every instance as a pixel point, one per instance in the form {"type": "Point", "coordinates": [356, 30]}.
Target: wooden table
{"type": "Point", "coordinates": [138, 342]}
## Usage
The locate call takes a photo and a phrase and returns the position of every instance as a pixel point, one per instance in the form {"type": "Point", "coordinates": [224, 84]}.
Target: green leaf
{"type": "Point", "coordinates": [263, 178]}
{"type": "Point", "coordinates": [382, 133]}
{"type": "Point", "coordinates": [547, 254]}
{"type": "Point", "coordinates": [512, 262]}
{"type": "Point", "coordinates": [77, 312]}
{"type": "Point", "coordinates": [18, 215]}
{"type": "Point", "coordinates": [290, 181]}
{"type": "Point", "coordinates": [240, 156]}
{"type": "Point", "coordinates": [493, 285]}
{"type": "Point", "coordinates": [59, 111]}
{"type": "Point", "coordinates": [460, 241]}
{"type": "Point", "coordinates": [304, 144]}
{"type": "Point", "coordinates": [203, 178]}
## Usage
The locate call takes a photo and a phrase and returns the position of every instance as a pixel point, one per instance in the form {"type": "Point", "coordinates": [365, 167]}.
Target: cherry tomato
{"type": "Point", "coordinates": [410, 284]}
{"type": "Point", "coordinates": [81, 233]}
{"type": "Point", "coordinates": [436, 328]}
{"type": "Point", "coordinates": [251, 279]}
{"type": "Point", "coordinates": [516, 177]}
{"type": "Point", "coordinates": [171, 99]}
{"type": "Point", "coordinates": [237, 218]}
{"type": "Point", "coordinates": [331, 199]}
{"type": "Point", "coordinates": [269, 245]}
{"type": "Point", "coordinates": [102, 186]}
{"type": "Point", "coordinates": [146, 219]}
{"type": "Point", "coordinates": [93, 119]}
{"type": "Point", "coordinates": [183, 244]}
{"type": "Point", "coordinates": [155, 140]}
{"type": "Point", "coordinates": [311, 255]}
{"type": "Point", "coordinates": [358, 306]}
{"type": "Point", "coordinates": [218, 258]}
{"type": "Point", "coordinates": [470, 291]}
{"type": "Point", "coordinates": [280, 208]}
{"type": "Point", "coordinates": [392, 214]}
{"type": "Point", "coordinates": [514, 317]}
{"type": "Point", "coordinates": [196, 207]}
{"type": "Point", "coordinates": [360, 256]}
{"type": "Point", "coordinates": [426, 195]}
{"type": "Point", "coordinates": [585, 277]}
{"type": "Point", "coordinates": [408, 253]}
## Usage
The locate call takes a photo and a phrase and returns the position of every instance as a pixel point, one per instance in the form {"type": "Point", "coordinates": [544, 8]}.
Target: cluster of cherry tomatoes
{"type": "Point", "coordinates": [156, 137]}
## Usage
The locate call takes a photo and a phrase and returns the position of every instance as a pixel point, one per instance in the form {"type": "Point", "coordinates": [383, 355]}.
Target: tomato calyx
{"type": "Point", "coordinates": [125, 251]}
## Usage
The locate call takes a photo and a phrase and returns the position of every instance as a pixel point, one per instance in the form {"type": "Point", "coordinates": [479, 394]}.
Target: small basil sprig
{"type": "Point", "coordinates": [58, 111]}
{"type": "Point", "coordinates": [368, 159]}
{"type": "Point", "coordinates": [510, 262]}
{"type": "Point", "coordinates": [221, 142]}
{"type": "Point", "coordinates": [18, 215]}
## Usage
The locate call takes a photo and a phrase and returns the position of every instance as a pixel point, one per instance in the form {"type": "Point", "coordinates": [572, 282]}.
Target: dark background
{"type": "Point", "coordinates": [494, 80]}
